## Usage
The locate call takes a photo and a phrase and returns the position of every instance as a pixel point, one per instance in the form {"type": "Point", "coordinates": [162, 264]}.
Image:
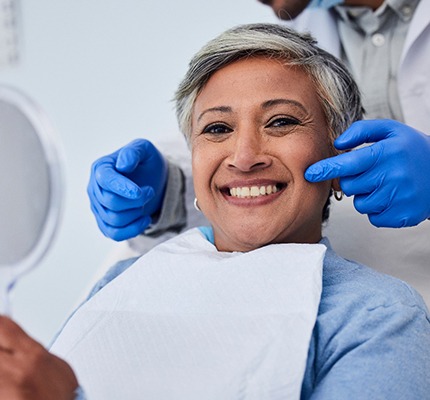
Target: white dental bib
{"type": "Point", "coordinates": [188, 322]}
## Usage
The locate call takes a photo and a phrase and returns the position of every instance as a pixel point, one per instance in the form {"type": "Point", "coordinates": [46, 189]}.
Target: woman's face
{"type": "Point", "coordinates": [256, 126]}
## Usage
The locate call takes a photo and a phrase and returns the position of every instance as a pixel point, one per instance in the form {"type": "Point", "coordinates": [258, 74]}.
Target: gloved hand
{"type": "Point", "coordinates": [390, 179]}
{"type": "Point", "coordinates": [126, 188]}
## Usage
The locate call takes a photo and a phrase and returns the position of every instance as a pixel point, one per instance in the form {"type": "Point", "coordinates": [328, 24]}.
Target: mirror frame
{"type": "Point", "coordinates": [54, 159]}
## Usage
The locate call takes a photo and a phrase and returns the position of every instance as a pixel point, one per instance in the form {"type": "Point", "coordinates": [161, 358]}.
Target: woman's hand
{"type": "Point", "coordinates": [28, 371]}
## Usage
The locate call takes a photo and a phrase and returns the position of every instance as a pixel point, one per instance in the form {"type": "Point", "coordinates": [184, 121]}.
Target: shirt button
{"type": "Point", "coordinates": [378, 39]}
{"type": "Point", "coordinates": [407, 11]}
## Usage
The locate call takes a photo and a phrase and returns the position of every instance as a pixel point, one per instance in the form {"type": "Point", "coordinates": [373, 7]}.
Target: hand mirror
{"type": "Point", "coordinates": [30, 188]}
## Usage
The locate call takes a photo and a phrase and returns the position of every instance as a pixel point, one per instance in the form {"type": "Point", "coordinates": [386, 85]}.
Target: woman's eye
{"type": "Point", "coordinates": [284, 121]}
{"type": "Point", "coordinates": [217, 129]}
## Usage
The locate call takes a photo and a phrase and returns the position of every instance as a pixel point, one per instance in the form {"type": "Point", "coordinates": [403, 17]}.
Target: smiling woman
{"type": "Point", "coordinates": [257, 305]}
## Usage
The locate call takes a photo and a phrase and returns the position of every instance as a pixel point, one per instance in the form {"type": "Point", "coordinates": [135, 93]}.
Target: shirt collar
{"type": "Point", "coordinates": [369, 20]}
{"type": "Point", "coordinates": [403, 8]}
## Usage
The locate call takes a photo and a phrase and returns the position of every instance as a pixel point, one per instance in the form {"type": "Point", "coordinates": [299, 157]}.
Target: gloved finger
{"type": "Point", "coordinates": [111, 180]}
{"type": "Point", "coordinates": [361, 184]}
{"type": "Point", "coordinates": [131, 155]}
{"type": "Point", "coordinates": [119, 234]}
{"type": "Point", "coordinates": [128, 159]}
{"type": "Point", "coordinates": [368, 131]}
{"type": "Point", "coordinates": [103, 198]}
{"type": "Point", "coordinates": [391, 219]}
{"type": "Point", "coordinates": [347, 164]}
{"type": "Point", "coordinates": [114, 202]}
{"type": "Point", "coordinates": [371, 203]}
{"type": "Point", "coordinates": [118, 219]}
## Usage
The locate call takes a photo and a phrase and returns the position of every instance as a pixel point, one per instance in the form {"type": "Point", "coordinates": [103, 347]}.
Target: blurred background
{"type": "Point", "coordinates": [104, 71]}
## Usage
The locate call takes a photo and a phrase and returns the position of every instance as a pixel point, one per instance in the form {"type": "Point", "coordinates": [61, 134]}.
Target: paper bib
{"type": "Point", "coordinates": [188, 322]}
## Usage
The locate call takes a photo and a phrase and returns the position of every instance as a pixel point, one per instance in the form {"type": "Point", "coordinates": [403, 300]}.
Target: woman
{"type": "Point", "coordinates": [219, 312]}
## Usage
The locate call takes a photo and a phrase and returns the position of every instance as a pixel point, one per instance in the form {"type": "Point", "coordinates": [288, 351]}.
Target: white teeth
{"type": "Point", "coordinates": [253, 191]}
{"type": "Point", "coordinates": [244, 192]}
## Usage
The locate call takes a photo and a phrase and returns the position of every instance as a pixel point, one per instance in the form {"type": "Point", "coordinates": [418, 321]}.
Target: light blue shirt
{"type": "Point", "coordinates": [371, 339]}
{"type": "Point", "coordinates": [372, 43]}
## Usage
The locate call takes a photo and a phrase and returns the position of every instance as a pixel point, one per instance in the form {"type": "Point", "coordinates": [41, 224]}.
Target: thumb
{"type": "Point", "coordinates": [128, 159]}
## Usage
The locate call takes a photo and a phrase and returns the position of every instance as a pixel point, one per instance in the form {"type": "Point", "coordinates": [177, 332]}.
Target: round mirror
{"type": "Point", "coordinates": [30, 187]}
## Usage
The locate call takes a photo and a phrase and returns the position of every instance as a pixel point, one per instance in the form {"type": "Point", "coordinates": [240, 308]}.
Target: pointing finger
{"type": "Point", "coordinates": [348, 164]}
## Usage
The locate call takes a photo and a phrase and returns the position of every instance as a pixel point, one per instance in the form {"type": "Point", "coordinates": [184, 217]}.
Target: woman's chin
{"type": "Point", "coordinates": [245, 239]}
{"type": "Point", "coordinates": [248, 237]}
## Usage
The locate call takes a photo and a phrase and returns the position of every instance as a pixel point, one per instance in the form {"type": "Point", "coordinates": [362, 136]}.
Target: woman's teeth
{"type": "Point", "coordinates": [253, 191]}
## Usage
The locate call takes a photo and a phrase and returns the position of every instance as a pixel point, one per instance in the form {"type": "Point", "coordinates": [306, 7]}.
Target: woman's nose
{"type": "Point", "coordinates": [248, 153]}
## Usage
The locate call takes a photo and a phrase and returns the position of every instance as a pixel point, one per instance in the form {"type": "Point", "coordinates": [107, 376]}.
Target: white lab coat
{"type": "Point", "coordinates": [404, 253]}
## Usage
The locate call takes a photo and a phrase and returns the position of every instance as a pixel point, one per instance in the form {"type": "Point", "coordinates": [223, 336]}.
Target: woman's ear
{"type": "Point", "coordinates": [335, 185]}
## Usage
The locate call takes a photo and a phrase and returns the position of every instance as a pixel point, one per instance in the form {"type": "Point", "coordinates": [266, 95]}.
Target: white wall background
{"type": "Point", "coordinates": [104, 71]}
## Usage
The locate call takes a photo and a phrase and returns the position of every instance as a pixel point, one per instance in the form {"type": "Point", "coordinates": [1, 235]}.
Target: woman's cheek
{"type": "Point", "coordinates": [201, 172]}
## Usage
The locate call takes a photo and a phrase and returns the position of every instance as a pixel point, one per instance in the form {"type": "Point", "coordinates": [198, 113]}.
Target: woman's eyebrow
{"type": "Point", "coordinates": [275, 102]}
{"type": "Point", "coordinates": [223, 109]}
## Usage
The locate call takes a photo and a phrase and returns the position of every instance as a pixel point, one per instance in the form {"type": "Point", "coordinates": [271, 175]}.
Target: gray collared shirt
{"type": "Point", "coordinates": [372, 43]}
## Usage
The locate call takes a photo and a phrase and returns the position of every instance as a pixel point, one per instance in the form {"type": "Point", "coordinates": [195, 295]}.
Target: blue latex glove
{"type": "Point", "coordinates": [126, 188]}
{"type": "Point", "coordinates": [390, 179]}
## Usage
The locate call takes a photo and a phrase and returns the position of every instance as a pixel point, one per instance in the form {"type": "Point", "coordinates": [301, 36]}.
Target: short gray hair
{"type": "Point", "coordinates": [335, 87]}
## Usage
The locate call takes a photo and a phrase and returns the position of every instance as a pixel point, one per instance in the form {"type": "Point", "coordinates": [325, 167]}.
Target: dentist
{"type": "Point", "coordinates": [386, 46]}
